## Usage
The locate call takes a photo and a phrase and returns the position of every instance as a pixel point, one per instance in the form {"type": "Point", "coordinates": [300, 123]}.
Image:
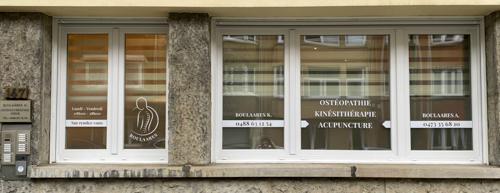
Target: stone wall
{"type": "Point", "coordinates": [25, 61]}
{"type": "Point", "coordinates": [189, 105]}
{"type": "Point", "coordinates": [262, 185]}
{"type": "Point", "coordinates": [492, 40]}
{"type": "Point", "coordinates": [25, 50]}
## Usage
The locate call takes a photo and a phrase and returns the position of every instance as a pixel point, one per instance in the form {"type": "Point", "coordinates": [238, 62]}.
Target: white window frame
{"type": "Point", "coordinates": [476, 80]}
{"type": "Point", "coordinates": [115, 151]}
{"type": "Point", "coordinates": [247, 154]}
{"type": "Point", "coordinates": [399, 84]}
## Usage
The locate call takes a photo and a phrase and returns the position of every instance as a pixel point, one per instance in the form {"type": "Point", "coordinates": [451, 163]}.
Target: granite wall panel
{"type": "Point", "coordinates": [492, 43]}
{"type": "Point", "coordinates": [260, 185]}
{"type": "Point", "coordinates": [25, 61]}
{"type": "Point", "coordinates": [25, 52]}
{"type": "Point", "coordinates": [197, 186]}
{"type": "Point", "coordinates": [189, 89]}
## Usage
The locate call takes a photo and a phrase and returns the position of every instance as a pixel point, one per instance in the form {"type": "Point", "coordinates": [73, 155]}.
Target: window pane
{"type": "Point", "coordinates": [440, 92]}
{"type": "Point", "coordinates": [253, 104]}
{"type": "Point", "coordinates": [87, 90]}
{"type": "Point", "coordinates": [145, 91]}
{"type": "Point", "coordinates": [345, 92]}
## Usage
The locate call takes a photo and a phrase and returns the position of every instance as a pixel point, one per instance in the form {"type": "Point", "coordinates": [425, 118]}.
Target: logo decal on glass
{"type": "Point", "coordinates": [147, 121]}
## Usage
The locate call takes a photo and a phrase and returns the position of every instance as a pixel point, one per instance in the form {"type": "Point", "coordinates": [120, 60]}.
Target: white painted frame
{"type": "Point", "coordinates": [74, 155]}
{"type": "Point", "coordinates": [398, 31]}
{"type": "Point", "coordinates": [138, 155]}
{"type": "Point", "coordinates": [344, 156]}
{"type": "Point", "coordinates": [270, 155]}
{"type": "Point", "coordinates": [478, 127]}
{"type": "Point", "coordinates": [114, 153]}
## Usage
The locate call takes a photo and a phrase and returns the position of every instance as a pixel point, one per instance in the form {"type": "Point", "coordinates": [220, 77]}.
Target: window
{"type": "Point", "coordinates": [359, 74]}
{"type": "Point", "coordinates": [440, 101]}
{"type": "Point", "coordinates": [113, 82]}
{"type": "Point", "coordinates": [366, 94]}
{"type": "Point", "coordinates": [261, 59]}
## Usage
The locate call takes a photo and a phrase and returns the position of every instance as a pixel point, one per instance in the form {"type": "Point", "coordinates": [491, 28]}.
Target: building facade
{"type": "Point", "coordinates": [258, 96]}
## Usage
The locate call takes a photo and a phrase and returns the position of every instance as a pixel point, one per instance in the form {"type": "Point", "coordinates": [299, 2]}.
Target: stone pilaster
{"type": "Point", "coordinates": [492, 38]}
{"type": "Point", "coordinates": [189, 89]}
{"type": "Point", "coordinates": [25, 61]}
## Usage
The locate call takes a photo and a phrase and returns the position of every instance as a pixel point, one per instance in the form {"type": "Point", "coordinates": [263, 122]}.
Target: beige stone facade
{"type": "Point", "coordinates": [26, 61]}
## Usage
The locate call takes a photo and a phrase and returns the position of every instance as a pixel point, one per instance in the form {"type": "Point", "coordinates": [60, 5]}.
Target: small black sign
{"type": "Point", "coordinates": [16, 93]}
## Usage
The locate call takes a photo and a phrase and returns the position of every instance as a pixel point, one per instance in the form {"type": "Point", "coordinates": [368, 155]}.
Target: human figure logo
{"type": "Point", "coordinates": [147, 121]}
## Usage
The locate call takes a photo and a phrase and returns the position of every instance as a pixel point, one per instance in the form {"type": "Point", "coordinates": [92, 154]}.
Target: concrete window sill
{"type": "Point", "coordinates": [265, 170]}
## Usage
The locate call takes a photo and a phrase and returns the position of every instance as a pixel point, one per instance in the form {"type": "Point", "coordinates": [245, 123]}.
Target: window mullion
{"type": "Point", "coordinates": [477, 98]}
{"type": "Point", "coordinates": [61, 113]}
{"type": "Point", "coordinates": [115, 92]}
{"type": "Point", "coordinates": [402, 114]}
{"type": "Point", "coordinates": [293, 91]}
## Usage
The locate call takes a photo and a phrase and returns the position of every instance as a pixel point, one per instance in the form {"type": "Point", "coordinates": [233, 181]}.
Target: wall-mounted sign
{"type": "Point", "coordinates": [15, 111]}
{"type": "Point", "coordinates": [16, 93]}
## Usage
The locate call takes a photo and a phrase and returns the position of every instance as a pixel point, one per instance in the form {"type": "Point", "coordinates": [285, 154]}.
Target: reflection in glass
{"type": "Point", "coordinates": [85, 137]}
{"type": "Point", "coordinates": [345, 92]}
{"type": "Point", "coordinates": [440, 91]}
{"type": "Point", "coordinates": [253, 87]}
{"type": "Point", "coordinates": [87, 84]}
{"type": "Point", "coordinates": [145, 91]}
